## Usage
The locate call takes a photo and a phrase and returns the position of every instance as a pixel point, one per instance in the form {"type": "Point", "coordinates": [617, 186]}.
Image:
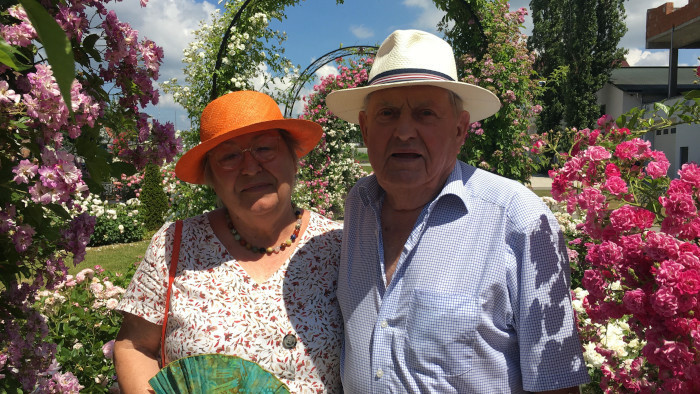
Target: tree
{"type": "Point", "coordinates": [154, 201]}
{"type": "Point", "coordinates": [50, 155]}
{"type": "Point", "coordinates": [250, 64]}
{"type": "Point", "coordinates": [576, 44]}
{"type": "Point", "coordinates": [486, 37]}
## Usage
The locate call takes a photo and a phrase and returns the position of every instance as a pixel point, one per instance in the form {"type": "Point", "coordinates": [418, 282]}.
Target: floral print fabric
{"type": "Point", "coordinates": [215, 307]}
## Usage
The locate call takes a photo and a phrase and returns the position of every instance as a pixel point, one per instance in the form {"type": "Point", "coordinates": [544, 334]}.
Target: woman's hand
{"type": "Point", "coordinates": [136, 354]}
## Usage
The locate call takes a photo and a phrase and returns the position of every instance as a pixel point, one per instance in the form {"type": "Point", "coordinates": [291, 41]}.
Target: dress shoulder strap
{"type": "Point", "coordinates": [171, 277]}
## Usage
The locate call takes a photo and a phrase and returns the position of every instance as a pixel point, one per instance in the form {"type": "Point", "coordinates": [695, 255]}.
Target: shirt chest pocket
{"type": "Point", "coordinates": [440, 333]}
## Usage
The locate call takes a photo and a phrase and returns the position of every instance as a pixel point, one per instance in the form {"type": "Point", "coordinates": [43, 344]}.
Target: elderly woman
{"type": "Point", "coordinates": [256, 277]}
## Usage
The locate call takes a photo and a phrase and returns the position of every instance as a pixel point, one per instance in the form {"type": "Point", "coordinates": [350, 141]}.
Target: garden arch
{"type": "Point", "coordinates": [320, 62]}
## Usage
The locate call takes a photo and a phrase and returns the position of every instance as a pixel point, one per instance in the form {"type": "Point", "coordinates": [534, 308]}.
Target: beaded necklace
{"type": "Point", "coordinates": [269, 250]}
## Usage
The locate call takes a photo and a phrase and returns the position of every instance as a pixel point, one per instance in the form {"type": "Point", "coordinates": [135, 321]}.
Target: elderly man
{"type": "Point", "coordinates": [452, 279]}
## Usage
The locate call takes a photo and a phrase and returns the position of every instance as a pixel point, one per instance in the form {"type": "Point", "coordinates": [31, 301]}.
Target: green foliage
{"type": "Point", "coordinates": [83, 324]}
{"type": "Point", "coordinates": [328, 172]}
{"type": "Point", "coordinates": [585, 47]}
{"type": "Point", "coordinates": [253, 52]}
{"type": "Point", "coordinates": [496, 59]}
{"type": "Point", "coordinates": [154, 202]}
{"type": "Point", "coordinates": [186, 199]}
{"type": "Point", "coordinates": [115, 222]}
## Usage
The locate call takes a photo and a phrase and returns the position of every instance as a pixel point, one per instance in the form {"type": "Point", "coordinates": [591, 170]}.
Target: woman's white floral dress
{"type": "Point", "coordinates": [217, 308]}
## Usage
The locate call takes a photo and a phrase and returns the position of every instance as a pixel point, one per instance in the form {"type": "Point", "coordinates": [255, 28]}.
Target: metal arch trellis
{"type": "Point", "coordinates": [320, 62]}
{"type": "Point", "coordinates": [288, 107]}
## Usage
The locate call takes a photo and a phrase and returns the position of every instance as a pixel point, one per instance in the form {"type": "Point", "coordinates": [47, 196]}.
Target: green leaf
{"type": "Point", "coordinates": [661, 107]}
{"type": "Point", "coordinates": [59, 210]}
{"type": "Point", "coordinates": [9, 56]}
{"type": "Point", "coordinates": [56, 44]}
{"type": "Point", "coordinates": [118, 168]}
{"type": "Point", "coordinates": [693, 94]}
{"type": "Point", "coordinates": [89, 46]}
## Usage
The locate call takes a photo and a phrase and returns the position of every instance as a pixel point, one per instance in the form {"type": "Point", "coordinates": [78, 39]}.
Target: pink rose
{"type": "Point", "coordinates": [634, 301]}
{"type": "Point", "coordinates": [615, 185]}
{"type": "Point", "coordinates": [596, 153]}
{"type": "Point", "coordinates": [658, 167]}
{"type": "Point", "coordinates": [623, 218]}
{"type": "Point", "coordinates": [690, 172]}
{"type": "Point", "coordinates": [668, 272]}
{"type": "Point", "coordinates": [689, 281]}
{"type": "Point", "coordinates": [674, 354]}
{"type": "Point", "coordinates": [612, 170]}
{"type": "Point", "coordinates": [108, 349]}
{"type": "Point", "coordinates": [664, 302]}
{"type": "Point", "coordinates": [593, 282]}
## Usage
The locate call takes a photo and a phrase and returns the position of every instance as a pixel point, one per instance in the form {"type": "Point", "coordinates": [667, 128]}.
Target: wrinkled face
{"type": "Point", "coordinates": [254, 172]}
{"type": "Point", "coordinates": [413, 135]}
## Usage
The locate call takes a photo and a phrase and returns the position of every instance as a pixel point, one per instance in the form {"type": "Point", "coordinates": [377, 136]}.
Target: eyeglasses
{"type": "Point", "coordinates": [229, 156]}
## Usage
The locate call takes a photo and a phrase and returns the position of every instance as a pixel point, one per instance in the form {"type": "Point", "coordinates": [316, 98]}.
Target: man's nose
{"type": "Point", "coordinates": [405, 126]}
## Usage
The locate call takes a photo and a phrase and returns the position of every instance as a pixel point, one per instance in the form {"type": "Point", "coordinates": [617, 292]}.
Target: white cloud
{"type": "Point", "coordinates": [429, 15]}
{"type": "Point", "coordinates": [170, 24]}
{"type": "Point", "coordinates": [638, 57]}
{"type": "Point", "coordinates": [360, 31]}
{"type": "Point", "coordinates": [325, 71]}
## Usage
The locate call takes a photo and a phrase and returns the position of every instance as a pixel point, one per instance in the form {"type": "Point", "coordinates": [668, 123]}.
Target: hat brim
{"type": "Point", "coordinates": [190, 167]}
{"type": "Point", "coordinates": [479, 102]}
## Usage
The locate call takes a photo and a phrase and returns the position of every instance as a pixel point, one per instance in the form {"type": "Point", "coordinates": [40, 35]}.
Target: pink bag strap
{"type": "Point", "coordinates": [171, 277]}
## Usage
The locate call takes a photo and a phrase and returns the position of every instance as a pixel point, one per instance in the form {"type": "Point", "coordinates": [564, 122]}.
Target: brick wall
{"type": "Point", "coordinates": [662, 18]}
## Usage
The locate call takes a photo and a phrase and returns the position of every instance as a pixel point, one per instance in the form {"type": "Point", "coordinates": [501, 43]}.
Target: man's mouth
{"type": "Point", "coordinates": [406, 155]}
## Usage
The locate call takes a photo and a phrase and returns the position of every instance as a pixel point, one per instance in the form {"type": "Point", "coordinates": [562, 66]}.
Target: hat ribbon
{"type": "Point", "coordinates": [408, 74]}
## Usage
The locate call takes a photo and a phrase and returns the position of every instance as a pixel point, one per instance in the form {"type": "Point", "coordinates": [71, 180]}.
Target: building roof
{"type": "Point", "coordinates": [652, 82]}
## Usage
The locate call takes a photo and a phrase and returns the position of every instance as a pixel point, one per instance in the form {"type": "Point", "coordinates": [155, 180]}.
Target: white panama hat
{"type": "Point", "coordinates": [408, 58]}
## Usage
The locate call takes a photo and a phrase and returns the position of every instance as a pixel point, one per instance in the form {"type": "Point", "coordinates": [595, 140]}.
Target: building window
{"type": "Point", "coordinates": [665, 131]}
{"type": "Point", "coordinates": [673, 130]}
{"type": "Point", "coordinates": [684, 155]}
{"type": "Point", "coordinates": [658, 132]}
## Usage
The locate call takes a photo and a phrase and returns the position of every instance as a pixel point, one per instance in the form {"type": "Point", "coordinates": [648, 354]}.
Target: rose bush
{"type": "Point", "coordinates": [635, 247]}
{"type": "Point", "coordinates": [115, 222]}
{"type": "Point", "coordinates": [328, 172]}
{"type": "Point", "coordinates": [82, 323]}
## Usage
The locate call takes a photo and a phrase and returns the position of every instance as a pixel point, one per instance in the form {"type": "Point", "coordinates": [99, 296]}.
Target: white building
{"type": "Point", "coordinates": [631, 87]}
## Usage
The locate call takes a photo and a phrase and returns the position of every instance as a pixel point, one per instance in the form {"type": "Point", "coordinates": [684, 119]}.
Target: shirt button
{"type": "Point", "coordinates": [380, 373]}
{"type": "Point", "coordinates": [384, 324]}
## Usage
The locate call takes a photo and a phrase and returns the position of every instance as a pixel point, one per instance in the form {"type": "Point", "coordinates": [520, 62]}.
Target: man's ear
{"type": "Point", "coordinates": [363, 126]}
{"type": "Point", "coordinates": [462, 127]}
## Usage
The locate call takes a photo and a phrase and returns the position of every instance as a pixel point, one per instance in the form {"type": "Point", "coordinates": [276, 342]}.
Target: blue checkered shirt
{"type": "Point", "coordinates": [479, 301]}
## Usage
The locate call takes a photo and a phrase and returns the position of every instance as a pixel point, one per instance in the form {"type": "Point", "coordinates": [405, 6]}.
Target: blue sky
{"type": "Point", "coordinates": [315, 27]}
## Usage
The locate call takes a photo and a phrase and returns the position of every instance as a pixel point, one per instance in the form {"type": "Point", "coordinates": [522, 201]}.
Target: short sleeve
{"type": "Point", "coordinates": [550, 349]}
{"type": "Point", "coordinates": [145, 295]}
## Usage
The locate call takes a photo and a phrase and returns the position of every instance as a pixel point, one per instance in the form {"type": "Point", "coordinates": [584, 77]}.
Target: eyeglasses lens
{"type": "Point", "coordinates": [230, 157]}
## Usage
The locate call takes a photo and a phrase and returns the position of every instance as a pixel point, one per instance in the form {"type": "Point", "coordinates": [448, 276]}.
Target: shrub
{"type": "Point", "coordinates": [115, 222]}
{"type": "Point", "coordinates": [186, 199]}
{"type": "Point", "coordinates": [83, 324]}
{"type": "Point", "coordinates": [153, 199]}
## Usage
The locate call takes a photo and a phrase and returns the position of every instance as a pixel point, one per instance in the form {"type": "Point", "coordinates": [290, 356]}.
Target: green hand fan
{"type": "Point", "coordinates": [215, 373]}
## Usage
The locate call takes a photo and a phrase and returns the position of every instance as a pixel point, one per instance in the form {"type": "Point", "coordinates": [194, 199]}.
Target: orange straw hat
{"type": "Point", "coordinates": [238, 113]}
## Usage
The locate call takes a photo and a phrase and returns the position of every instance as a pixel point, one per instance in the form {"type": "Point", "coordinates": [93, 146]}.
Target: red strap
{"type": "Point", "coordinates": [171, 276]}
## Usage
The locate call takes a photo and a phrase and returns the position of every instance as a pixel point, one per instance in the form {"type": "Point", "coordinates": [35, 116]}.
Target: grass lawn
{"type": "Point", "coordinates": [114, 258]}
{"type": "Point", "coordinates": [543, 192]}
